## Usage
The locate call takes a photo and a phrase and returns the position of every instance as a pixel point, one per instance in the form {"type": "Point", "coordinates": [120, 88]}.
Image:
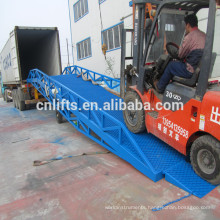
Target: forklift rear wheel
{"type": "Point", "coordinates": [205, 158]}
{"type": "Point", "coordinates": [59, 117]}
{"type": "Point", "coordinates": [134, 118]}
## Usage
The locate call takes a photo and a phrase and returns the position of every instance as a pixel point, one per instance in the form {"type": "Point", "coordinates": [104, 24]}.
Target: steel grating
{"type": "Point", "coordinates": [183, 176]}
{"type": "Point", "coordinates": [144, 151]}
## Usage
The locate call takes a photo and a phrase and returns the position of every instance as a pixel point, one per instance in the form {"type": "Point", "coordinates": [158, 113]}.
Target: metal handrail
{"type": "Point", "coordinates": [93, 76]}
{"type": "Point", "coordinates": [52, 90]}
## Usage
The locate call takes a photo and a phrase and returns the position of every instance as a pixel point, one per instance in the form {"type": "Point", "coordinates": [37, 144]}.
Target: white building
{"type": "Point", "coordinates": [94, 22]}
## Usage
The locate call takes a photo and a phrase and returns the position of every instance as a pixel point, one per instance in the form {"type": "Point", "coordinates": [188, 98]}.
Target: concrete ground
{"type": "Point", "coordinates": [89, 187]}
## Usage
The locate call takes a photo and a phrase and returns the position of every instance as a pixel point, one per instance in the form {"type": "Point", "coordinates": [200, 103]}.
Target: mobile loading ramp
{"type": "Point", "coordinates": [145, 152]}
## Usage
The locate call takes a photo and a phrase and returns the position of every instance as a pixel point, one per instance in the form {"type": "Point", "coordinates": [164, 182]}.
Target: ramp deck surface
{"type": "Point", "coordinates": [145, 152]}
{"type": "Point", "coordinates": [166, 161]}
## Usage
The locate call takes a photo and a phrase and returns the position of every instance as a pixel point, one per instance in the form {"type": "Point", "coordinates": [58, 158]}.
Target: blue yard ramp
{"type": "Point", "coordinates": [145, 152]}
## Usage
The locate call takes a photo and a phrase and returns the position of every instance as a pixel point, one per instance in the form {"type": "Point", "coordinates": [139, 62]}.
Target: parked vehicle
{"type": "Point", "coordinates": [28, 48]}
{"type": "Point", "coordinates": [193, 130]}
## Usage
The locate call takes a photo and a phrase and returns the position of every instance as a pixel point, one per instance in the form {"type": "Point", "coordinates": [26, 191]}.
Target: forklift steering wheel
{"type": "Point", "coordinates": [172, 50]}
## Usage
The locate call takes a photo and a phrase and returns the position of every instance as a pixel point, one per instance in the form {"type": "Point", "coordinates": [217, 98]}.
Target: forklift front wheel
{"type": "Point", "coordinates": [134, 117]}
{"type": "Point", "coordinates": [59, 117]}
{"type": "Point", "coordinates": [205, 158]}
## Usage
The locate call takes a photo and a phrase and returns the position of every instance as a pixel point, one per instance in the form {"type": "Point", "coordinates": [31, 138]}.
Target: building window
{"type": "Point", "coordinates": [170, 27]}
{"type": "Point", "coordinates": [80, 9]}
{"type": "Point", "coordinates": [84, 49]}
{"type": "Point", "coordinates": [112, 37]}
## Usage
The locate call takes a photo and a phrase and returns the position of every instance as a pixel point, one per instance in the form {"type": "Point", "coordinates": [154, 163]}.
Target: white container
{"type": "Point", "coordinates": [29, 48]}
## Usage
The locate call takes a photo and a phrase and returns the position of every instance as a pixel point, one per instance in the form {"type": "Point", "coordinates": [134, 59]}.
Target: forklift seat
{"type": "Point", "coordinates": [188, 82]}
{"type": "Point", "coordinates": [193, 80]}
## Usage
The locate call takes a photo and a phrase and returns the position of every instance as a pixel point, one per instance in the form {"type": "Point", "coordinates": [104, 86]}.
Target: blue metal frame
{"type": "Point", "coordinates": [78, 51]}
{"type": "Point", "coordinates": [122, 22]}
{"type": "Point", "coordinates": [93, 121]}
{"type": "Point", "coordinates": [142, 151]}
{"type": "Point", "coordinates": [83, 15]}
{"type": "Point", "coordinates": [94, 76]}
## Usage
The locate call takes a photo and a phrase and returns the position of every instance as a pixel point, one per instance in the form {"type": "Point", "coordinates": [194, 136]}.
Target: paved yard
{"type": "Point", "coordinates": [89, 187]}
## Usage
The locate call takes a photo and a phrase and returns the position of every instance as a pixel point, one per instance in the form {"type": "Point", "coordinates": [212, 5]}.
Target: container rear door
{"type": "Point", "coordinates": [14, 57]}
{"type": "Point", "coordinates": [9, 63]}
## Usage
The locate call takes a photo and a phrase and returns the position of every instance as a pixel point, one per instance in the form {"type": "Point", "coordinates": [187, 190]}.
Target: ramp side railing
{"type": "Point", "coordinates": [109, 132]}
{"type": "Point", "coordinates": [95, 77]}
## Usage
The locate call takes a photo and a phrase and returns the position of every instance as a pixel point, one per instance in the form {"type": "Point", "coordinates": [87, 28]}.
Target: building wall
{"type": "Point", "coordinates": [90, 26]}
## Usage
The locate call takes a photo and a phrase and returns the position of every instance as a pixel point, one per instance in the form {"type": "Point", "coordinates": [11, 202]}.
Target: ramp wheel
{"type": "Point", "coordinates": [205, 158]}
{"type": "Point", "coordinates": [134, 117]}
{"type": "Point", "coordinates": [59, 117]}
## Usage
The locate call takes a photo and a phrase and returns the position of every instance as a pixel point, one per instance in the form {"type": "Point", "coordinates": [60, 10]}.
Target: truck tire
{"type": "Point", "coordinates": [205, 158]}
{"type": "Point", "coordinates": [13, 97]}
{"type": "Point", "coordinates": [21, 99]}
{"type": "Point", "coordinates": [6, 96]}
{"type": "Point", "coordinates": [27, 107]}
{"type": "Point", "coordinates": [16, 98]}
{"type": "Point", "coordinates": [134, 119]}
{"type": "Point", "coordinates": [21, 105]}
{"type": "Point", "coordinates": [3, 96]}
{"type": "Point", "coordinates": [59, 117]}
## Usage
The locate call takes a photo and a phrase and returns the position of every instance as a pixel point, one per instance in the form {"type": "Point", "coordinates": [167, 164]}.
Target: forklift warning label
{"type": "Point", "coordinates": [202, 122]}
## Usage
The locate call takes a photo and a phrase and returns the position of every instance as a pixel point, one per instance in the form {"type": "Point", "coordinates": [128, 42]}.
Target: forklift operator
{"type": "Point", "coordinates": [190, 53]}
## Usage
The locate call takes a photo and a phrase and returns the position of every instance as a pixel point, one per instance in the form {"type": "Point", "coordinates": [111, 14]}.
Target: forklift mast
{"type": "Point", "coordinates": [140, 9]}
{"type": "Point", "coordinates": [134, 75]}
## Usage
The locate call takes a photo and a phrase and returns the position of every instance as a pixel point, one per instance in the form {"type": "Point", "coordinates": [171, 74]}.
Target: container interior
{"type": "Point", "coordinates": [39, 49]}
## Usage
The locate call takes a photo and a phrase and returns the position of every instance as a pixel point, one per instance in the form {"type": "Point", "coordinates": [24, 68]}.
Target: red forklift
{"type": "Point", "coordinates": [192, 124]}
